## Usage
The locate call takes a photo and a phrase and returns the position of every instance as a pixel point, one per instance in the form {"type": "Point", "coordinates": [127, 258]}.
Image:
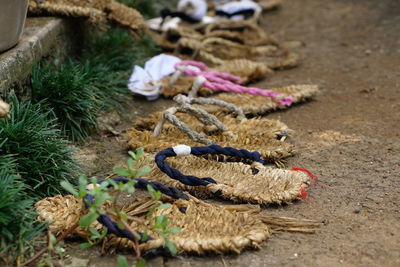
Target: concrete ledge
{"type": "Point", "coordinates": [42, 37]}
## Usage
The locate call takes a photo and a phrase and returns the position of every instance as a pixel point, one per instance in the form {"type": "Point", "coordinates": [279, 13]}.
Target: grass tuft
{"type": "Point", "coordinates": [17, 216]}
{"type": "Point", "coordinates": [118, 50]}
{"type": "Point", "coordinates": [41, 156]}
{"type": "Point", "coordinates": [69, 91]}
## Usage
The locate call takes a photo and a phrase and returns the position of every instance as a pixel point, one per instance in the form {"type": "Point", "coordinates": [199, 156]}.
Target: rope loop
{"type": "Point", "coordinates": [199, 151]}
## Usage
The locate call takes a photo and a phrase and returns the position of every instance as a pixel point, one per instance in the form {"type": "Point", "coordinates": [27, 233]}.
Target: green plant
{"type": "Point", "coordinates": [55, 253]}
{"type": "Point", "coordinates": [118, 50]}
{"type": "Point", "coordinates": [131, 170]}
{"type": "Point", "coordinates": [17, 217]}
{"type": "Point", "coordinates": [68, 90]}
{"type": "Point", "coordinates": [109, 191]}
{"type": "Point", "coordinates": [42, 157]}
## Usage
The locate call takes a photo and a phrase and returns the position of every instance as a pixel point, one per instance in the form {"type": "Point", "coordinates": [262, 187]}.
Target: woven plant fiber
{"type": "Point", "coordinates": [263, 135]}
{"type": "Point", "coordinates": [254, 105]}
{"type": "Point", "coordinates": [204, 227]}
{"type": "Point", "coordinates": [98, 12]}
{"type": "Point", "coordinates": [63, 212]}
{"type": "Point", "coordinates": [243, 32]}
{"type": "Point", "coordinates": [237, 181]}
{"type": "Point", "coordinates": [223, 49]}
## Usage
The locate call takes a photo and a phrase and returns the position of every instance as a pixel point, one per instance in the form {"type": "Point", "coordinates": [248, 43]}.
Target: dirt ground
{"type": "Point", "coordinates": [349, 136]}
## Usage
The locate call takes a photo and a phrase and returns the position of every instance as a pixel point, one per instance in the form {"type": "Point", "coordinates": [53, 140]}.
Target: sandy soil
{"type": "Point", "coordinates": [348, 136]}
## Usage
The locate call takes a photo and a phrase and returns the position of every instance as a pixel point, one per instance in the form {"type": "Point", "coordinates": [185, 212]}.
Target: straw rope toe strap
{"type": "Point", "coordinates": [236, 181]}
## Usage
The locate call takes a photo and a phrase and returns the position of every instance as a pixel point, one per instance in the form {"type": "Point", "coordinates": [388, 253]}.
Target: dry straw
{"type": "Point", "coordinates": [263, 135]}
{"type": "Point", "coordinates": [237, 181]}
{"type": "Point", "coordinates": [204, 227]}
{"type": "Point", "coordinates": [98, 12]}
{"type": "Point", "coordinates": [254, 105]}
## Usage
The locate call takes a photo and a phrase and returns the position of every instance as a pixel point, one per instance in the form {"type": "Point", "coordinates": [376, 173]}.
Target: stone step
{"type": "Point", "coordinates": [43, 37]}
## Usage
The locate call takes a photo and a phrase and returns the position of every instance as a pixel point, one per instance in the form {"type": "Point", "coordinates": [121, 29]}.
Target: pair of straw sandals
{"type": "Point", "coordinates": [214, 171]}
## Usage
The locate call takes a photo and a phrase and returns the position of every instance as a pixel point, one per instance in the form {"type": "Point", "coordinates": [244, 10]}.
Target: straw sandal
{"type": "Point", "coordinates": [236, 181]}
{"type": "Point", "coordinates": [98, 12]}
{"type": "Point", "coordinates": [258, 105]}
{"type": "Point", "coordinates": [204, 227]}
{"type": "Point", "coordinates": [261, 134]}
{"type": "Point", "coordinates": [243, 32]}
{"type": "Point", "coordinates": [222, 48]}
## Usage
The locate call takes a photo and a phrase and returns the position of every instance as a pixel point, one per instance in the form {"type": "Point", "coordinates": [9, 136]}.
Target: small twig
{"type": "Point", "coordinates": [223, 261]}
{"type": "Point", "coordinates": [137, 237]}
{"type": "Point", "coordinates": [59, 238]}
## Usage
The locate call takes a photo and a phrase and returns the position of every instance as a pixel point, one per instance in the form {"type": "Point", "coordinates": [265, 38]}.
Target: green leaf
{"type": "Point", "coordinates": [139, 152]}
{"type": "Point", "coordinates": [121, 225]}
{"type": "Point", "coordinates": [141, 263]}
{"type": "Point", "coordinates": [164, 206]}
{"type": "Point", "coordinates": [174, 230]}
{"type": "Point", "coordinates": [88, 219]}
{"type": "Point", "coordinates": [94, 232]}
{"type": "Point", "coordinates": [130, 163]}
{"type": "Point", "coordinates": [150, 189]}
{"type": "Point", "coordinates": [53, 239]}
{"type": "Point", "coordinates": [85, 245]}
{"type": "Point", "coordinates": [143, 171]}
{"type": "Point", "coordinates": [170, 246]}
{"type": "Point", "coordinates": [122, 262]}
{"type": "Point", "coordinates": [68, 186]}
{"type": "Point", "coordinates": [132, 154]}
{"type": "Point", "coordinates": [121, 171]}
{"type": "Point", "coordinates": [145, 236]}
{"type": "Point", "coordinates": [82, 183]}
{"type": "Point", "coordinates": [123, 216]}
{"type": "Point", "coordinates": [161, 222]}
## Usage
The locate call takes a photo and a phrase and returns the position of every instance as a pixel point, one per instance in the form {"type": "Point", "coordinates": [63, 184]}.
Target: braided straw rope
{"type": "Point", "coordinates": [97, 11]}
{"type": "Point", "coordinates": [204, 227]}
{"type": "Point", "coordinates": [259, 105]}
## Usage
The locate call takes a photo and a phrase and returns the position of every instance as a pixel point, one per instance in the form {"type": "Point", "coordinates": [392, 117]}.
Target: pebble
{"type": "Point", "coordinates": [356, 211]}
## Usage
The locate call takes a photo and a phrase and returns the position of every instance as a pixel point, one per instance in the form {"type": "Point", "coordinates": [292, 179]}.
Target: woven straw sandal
{"type": "Point", "coordinates": [236, 181]}
{"type": "Point", "coordinates": [218, 229]}
{"type": "Point", "coordinates": [258, 105]}
{"type": "Point", "coordinates": [223, 48]}
{"type": "Point", "coordinates": [243, 32]}
{"type": "Point", "coordinates": [98, 12]}
{"type": "Point", "coordinates": [261, 134]}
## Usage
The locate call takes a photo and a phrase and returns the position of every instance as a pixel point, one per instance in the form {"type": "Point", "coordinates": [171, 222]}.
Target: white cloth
{"type": "Point", "coordinates": [146, 81]}
{"type": "Point", "coordinates": [170, 23]}
{"type": "Point", "coordinates": [196, 9]}
{"type": "Point", "coordinates": [182, 150]}
{"type": "Point", "coordinates": [236, 6]}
